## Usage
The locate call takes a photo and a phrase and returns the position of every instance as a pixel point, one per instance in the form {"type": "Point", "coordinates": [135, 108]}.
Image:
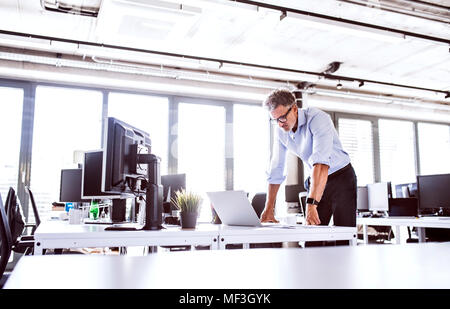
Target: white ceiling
{"type": "Point", "coordinates": [236, 32]}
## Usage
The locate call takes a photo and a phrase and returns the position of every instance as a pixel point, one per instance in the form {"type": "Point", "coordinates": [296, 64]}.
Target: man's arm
{"type": "Point", "coordinates": [319, 179]}
{"type": "Point", "coordinates": [268, 215]}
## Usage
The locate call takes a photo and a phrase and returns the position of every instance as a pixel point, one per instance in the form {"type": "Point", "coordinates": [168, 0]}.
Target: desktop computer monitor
{"type": "Point", "coordinates": [291, 193]}
{"type": "Point", "coordinates": [403, 207]}
{"type": "Point", "coordinates": [70, 187]}
{"type": "Point", "coordinates": [433, 191]}
{"type": "Point", "coordinates": [130, 168]}
{"type": "Point", "coordinates": [378, 195]}
{"type": "Point", "coordinates": [171, 184]}
{"type": "Point", "coordinates": [406, 190]}
{"type": "Point", "coordinates": [362, 199]}
{"type": "Point", "coordinates": [91, 181]}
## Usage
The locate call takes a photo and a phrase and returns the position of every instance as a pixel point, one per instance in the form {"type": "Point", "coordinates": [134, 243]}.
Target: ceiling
{"type": "Point", "coordinates": [401, 42]}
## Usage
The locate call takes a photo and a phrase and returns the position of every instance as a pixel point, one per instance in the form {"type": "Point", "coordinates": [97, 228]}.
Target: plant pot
{"type": "Point", "coordinates": [188, 220]}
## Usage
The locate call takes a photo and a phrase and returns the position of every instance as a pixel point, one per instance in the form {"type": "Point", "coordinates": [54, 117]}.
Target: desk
{"type": "Point", "coordinates": [411, 266]}
{"type": "Point", "coordinates": [246, 235]}
{"type": "Point", "coordinates": [60, 234]}
{"type": "Point", "coordinates": [419, 223]}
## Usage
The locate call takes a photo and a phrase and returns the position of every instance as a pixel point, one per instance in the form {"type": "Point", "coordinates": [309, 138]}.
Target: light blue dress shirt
{"type": "Point", "coordinates": [315, 141]}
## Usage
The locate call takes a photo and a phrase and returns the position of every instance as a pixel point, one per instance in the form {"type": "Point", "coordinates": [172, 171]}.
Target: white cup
{"type": "Point", "coordinates": [75, 216]}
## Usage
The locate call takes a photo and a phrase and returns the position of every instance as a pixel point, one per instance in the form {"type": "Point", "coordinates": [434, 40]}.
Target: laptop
{"type": "Point", "coordinates": [234, 208]}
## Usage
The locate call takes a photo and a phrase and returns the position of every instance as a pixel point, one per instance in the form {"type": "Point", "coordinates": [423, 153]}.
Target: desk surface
{"type": "Point", "coordinates": [432, 222]}
{"type": "Point", "coordinates": [408, 266]}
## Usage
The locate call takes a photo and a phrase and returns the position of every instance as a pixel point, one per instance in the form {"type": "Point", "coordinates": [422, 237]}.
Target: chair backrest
{"type": "Point", "coordinates": [9, 197]}
{"type": "Point", "coordinates": [35, 210]}
{"type": "Point", "coordinates": [14, 216]}
{"type": "Point", "coordinates": [259, 202]}
{"type": "Point", "coordinates": [5, 238]}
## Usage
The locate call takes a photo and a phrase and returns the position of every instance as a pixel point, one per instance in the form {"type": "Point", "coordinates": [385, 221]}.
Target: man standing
{"type": "Point", "coordinates": [309, 133]}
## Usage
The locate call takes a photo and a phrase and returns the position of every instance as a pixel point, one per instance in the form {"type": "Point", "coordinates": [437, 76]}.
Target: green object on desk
{"type": "Point", "coordinates": [94, 210]}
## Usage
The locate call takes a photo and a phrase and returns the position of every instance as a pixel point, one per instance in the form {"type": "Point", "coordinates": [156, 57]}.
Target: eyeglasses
{"type": "Point", "coordinates": [283, 118]}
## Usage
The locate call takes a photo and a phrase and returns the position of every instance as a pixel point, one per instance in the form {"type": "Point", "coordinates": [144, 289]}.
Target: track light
{"type": "Point", "coordinates": [339, 86]}
{"type": "Point", "coordinates": [361, 83]}
{"type": "Point", "coordinates": [447, 95]}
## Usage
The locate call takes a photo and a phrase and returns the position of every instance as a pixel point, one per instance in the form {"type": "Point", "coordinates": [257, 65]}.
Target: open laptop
{"type": "Point", "coordinates": [234, 208]}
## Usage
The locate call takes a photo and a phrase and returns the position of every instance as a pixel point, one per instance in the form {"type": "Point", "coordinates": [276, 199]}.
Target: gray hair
{"type": "Point", "coordinates": [279, 97]}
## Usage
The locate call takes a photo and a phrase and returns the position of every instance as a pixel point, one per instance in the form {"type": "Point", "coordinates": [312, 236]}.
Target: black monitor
{"type": "Point", "coordinates": [291, 193]}
{"type": "Point", "coordinates": [406, 190]}
{"type": "Point", "coordinates": [92, 177]}
{"type": "Point", "coordinates": [433, 191]}
{"type": "Point", "coordinates": [129, 167]}
{"type": "Point", "coordinates": [172, 183]}
{"type": "Point", "coordinates": [70, 188]}
{"type": "Point", "coordinates": [403, 207]}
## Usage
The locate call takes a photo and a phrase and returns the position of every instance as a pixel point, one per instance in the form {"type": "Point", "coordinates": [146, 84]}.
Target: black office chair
{"type": "Point", "coordinates": [5, 243]}
{"type": "Point", "coordinates": [259, 202]}
{"type": "Point", "coordinates": [37, 219]}
{"type": "Point", "coordinates": [21, 243]}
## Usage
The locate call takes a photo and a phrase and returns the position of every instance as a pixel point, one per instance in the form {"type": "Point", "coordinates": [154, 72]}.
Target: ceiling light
{"type": "Point", "coordinates": [361, 83]}
{"type": "Point", "coordinates": [339, 86]}
{"type": "Point", "coordinates": [447, 95]}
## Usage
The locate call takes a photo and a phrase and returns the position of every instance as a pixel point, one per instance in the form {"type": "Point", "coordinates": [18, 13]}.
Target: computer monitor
{"type": "Point", "coordinates": [433, 191]}
{"type": "Point", "coordinates": [362, 199]}
{"type": "Point", "coordinates": [70, 188]}
{"type": "Point", "coordinates": [129, 167]}
{"type": "Point", "coordinates": [378, 195]}
{"type": "Point", "coordinates": [406, 190]}
{"type": "Point", "coordinates": [171, 184]}
{"type": "Point", "coordinates": [403, 207]}
{"type": "Point", "coordinates": [291, 193]}
{"type": "Point", "coordinates": [91, 183]}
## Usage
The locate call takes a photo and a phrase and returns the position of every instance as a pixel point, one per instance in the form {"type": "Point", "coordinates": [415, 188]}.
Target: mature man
{"type": "Point", "coordinates": [309, 133]}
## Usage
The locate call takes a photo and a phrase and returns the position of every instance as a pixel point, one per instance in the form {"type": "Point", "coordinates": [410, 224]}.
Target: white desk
{"type": "Point", "coordinates": [411, 266]}
{"type": "Point", "coordinates": [247, 235]}
{"type": "Point", "coordinates": [60, 234]}
{"type": "Point", "coordinates": [396, 223]}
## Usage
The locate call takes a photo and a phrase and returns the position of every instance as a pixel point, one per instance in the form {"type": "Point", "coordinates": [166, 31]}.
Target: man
{"type": "Point", "coordinates": [309, 133]}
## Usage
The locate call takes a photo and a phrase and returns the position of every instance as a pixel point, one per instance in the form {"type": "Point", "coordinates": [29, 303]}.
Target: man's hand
{"type": "Point", "coordinates": [268, 215]}
{"type": "Point", "coordinates": [312, 216]}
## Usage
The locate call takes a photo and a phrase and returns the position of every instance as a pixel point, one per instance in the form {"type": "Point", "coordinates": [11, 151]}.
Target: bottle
{"type": "Point", "coordinates": [94, 210]}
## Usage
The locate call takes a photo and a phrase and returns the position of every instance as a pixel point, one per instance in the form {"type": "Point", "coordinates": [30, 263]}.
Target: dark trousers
{"type": "Point", "coordinates": [338, 199]}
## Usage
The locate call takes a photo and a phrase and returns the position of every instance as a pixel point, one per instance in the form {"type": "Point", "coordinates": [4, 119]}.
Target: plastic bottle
{"type": "Point", "coordinates": [94, 210]}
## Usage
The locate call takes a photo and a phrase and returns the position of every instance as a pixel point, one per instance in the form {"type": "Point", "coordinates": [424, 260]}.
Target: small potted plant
{"type": "Point", "coordinates": [189, 205]}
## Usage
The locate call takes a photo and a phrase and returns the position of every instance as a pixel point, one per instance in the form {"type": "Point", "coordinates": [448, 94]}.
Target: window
{"type": "Point", "coordinates": [148, 113]}
{"type": "Point", "coordinates": [357, 140]}
{"type": "Point", "coordinates": [11, 104]}
{"type": "Point", "coordinates": [434, 148]}
{"type": "Point", "coordinates": [251, 134]}
{"type": "Point", "coordinates": [201, 150]}
{"type": "Point", "coordinates": [65, 121]}
{"type": "Point", "coordinates": [397, 151]}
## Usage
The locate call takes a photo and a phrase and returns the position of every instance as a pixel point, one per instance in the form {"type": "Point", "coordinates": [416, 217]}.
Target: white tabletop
{"type": "Point", "coordinates": [408, 266]}
{"type": "Point", "coordinates": [432, 222]}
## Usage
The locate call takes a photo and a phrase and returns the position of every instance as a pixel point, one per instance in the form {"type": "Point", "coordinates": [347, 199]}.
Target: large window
{"type": "Point", "coordinates": [65, 121]}
{"type": "Point", "coordinates": [201, 150]}
{"type": "Point", "coordinates": [357, 140]}
{"type": "Point", "coordinates": [397, 151]}
{"type": "Point", "coordinates": [434, 148]}
{"type": "Point", "coordinates": [148, 113]}
{"type": "Point", "coordinates": [11, 103]}
{"type": "Point", "coordinates": [251, 134]}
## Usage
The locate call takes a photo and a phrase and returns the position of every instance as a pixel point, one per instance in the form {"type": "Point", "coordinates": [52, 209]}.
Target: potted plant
{"type": "Point", "coordinates": [189, 205]}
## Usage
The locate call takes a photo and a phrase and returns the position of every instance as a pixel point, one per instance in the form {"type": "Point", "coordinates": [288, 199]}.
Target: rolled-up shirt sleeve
{"type": "Point", "coordinates": [321, 128]}
{"type": "Point", "coordinates": [275, 172]}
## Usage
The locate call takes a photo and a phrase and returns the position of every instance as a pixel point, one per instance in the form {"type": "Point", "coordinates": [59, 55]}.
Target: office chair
{"type": "Point", "coordinates": [5, 244]}
{"type": "Point", "coordinates": [35, 211]}
{"type": "Point", "coordinates": [259, 202]}
{"type": "Point", "coordinates": [20, 243]}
